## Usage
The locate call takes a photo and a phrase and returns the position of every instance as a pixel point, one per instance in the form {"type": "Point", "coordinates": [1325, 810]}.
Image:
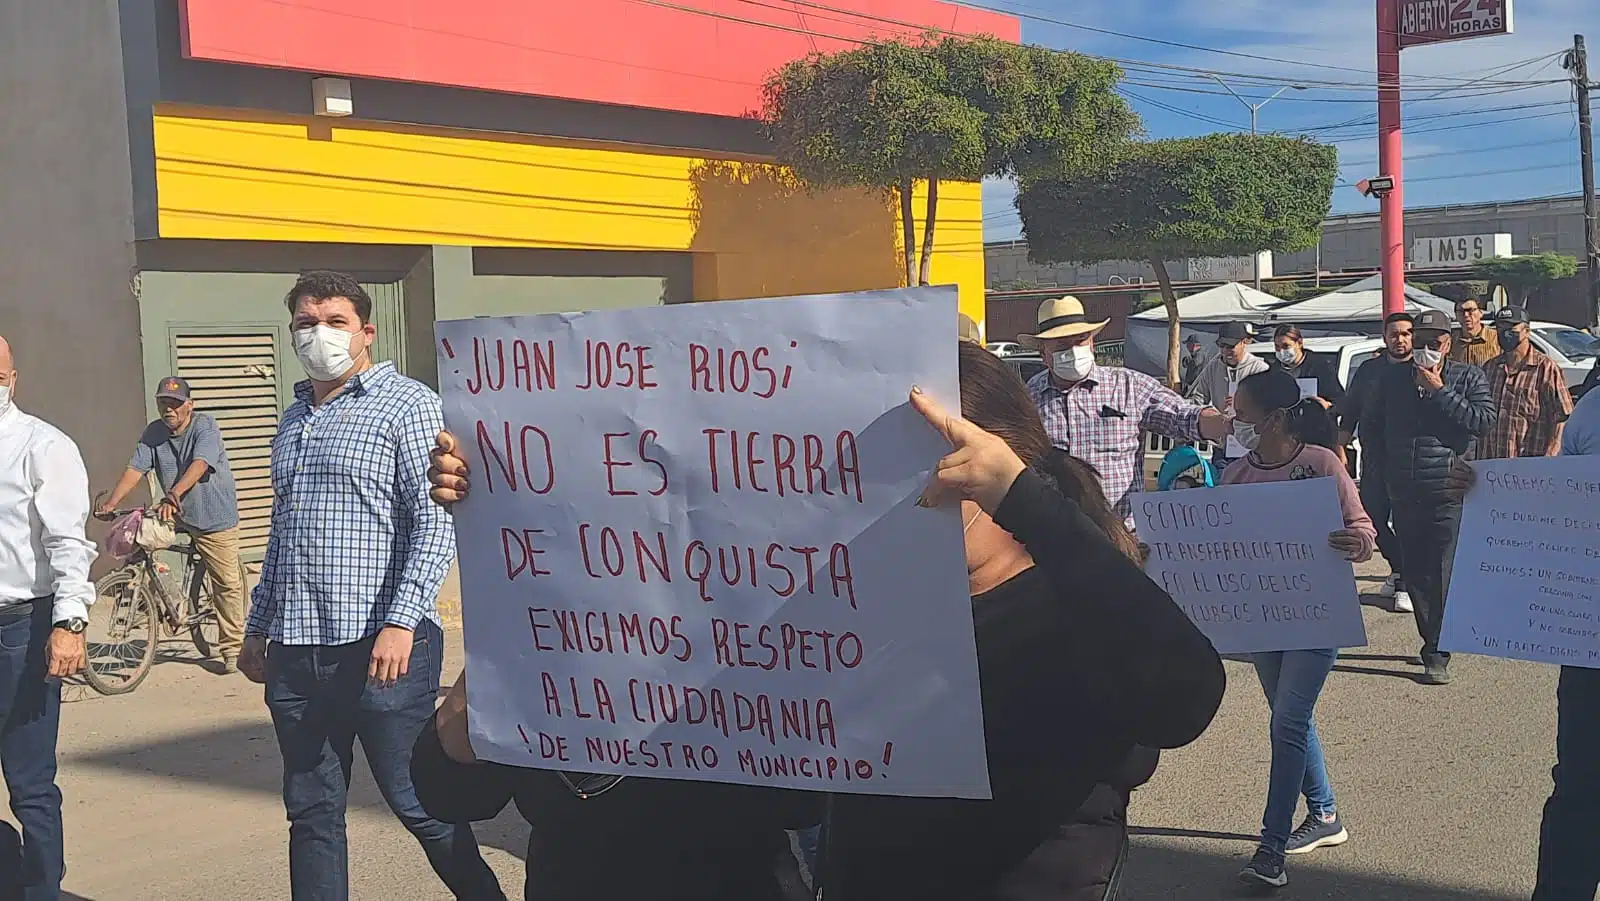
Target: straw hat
{"type": "Point", "coordinates": [1061, 318]}
{"type": "Point", "coordinates": [967, 329]}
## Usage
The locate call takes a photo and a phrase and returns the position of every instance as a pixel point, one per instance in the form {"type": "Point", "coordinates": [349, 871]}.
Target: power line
{"type": "Point", "coordinates": [1473, 151]}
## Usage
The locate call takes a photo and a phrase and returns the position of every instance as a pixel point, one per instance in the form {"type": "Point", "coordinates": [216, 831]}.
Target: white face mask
{"type": "Point", "coordinates": [324, 351]}
{"type": "Point", "coordinates": [1287, 356]}
{"type": "Point", "coordinates": [1245, 433]}
{"type": "Point", "coordinates": [5, 398]}
{"type": "Point", "coordinates": [1427, 357]}
{"type": "Point", "coordinates": [1073, 364]}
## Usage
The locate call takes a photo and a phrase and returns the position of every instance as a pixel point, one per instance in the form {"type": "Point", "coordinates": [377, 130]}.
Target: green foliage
{"type": "Point", "coordinates": [945, 108]}
{"type": "Point", "coordinates": [1523, 276]}
{"type": "Point", "coordinates": [1147, 302]}
{"type": "Point", "coordinates": [1214, 196]}
{"type": "Point", "coordinates": [1456, 292]}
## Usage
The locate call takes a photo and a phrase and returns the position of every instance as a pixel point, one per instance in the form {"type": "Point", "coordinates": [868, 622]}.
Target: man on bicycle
{"type": "Point", "coordinates": [185, 450]}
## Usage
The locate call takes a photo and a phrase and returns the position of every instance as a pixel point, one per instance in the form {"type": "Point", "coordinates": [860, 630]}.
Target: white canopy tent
{"type": "Point", "coordinates": [1358, 303]}
{"type": "Point", "coordinates": [1201, 314]}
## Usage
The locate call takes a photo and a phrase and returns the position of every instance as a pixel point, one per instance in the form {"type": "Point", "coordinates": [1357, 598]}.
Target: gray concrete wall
{"type": "Point", "coordinates": [66, 223]}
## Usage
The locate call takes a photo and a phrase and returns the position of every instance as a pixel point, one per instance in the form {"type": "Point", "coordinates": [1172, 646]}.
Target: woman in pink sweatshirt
{"type": "Point", "coordinates": [1290, 438]}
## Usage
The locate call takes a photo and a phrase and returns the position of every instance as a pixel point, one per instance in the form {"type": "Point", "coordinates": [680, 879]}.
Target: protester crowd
{"type": "Point", "coordinates": [1088, 668]}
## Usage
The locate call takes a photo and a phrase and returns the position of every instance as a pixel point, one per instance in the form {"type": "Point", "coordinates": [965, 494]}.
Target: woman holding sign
{"type": "Point", "coordinates": [1083, 661]}
{"type": "Point", "coordinates": [1292, 438]}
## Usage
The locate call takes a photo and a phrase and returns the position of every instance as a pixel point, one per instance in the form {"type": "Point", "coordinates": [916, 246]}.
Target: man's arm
{"type": "Point", "coordinates": [1556, 403]}
{"type": "Point", "coordinates": [1468, 402]}
{"type": "Point", "coordinates": [130, 478]}
{"type": "Point", "coordinates": [431, 541]}
{"type": "Point", "coordinates": [61, 501]}
{"type": "Point", "coordinates": [1163, 412]}
{"type": "Point", "coordinates": [268, 593]}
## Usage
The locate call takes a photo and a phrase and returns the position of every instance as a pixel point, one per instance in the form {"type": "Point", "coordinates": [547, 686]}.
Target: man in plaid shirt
{"type": "Point", "coordinates": [1530, 392]}
{"type": "Point", "coordinates": [1099, 413]}
{"type": "Point", "coordinates": [344, 630]}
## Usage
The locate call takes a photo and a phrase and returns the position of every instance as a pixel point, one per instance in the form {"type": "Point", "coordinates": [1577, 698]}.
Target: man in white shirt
{"type": "Point", "coordinates": [45, 595]}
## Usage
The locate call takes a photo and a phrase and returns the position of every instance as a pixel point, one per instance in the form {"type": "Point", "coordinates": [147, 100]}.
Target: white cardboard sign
{"type": "Point", "coordinates": [692, 548]}
{"type": "Point", "coordinates": [1251, 565]}
{"type": "Point", "coordinates": [1526, 579]}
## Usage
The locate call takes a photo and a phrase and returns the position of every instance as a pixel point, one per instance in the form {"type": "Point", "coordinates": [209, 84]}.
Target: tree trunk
{"type": "Point", "coordinates": [1169, 299]}
{"type": "Point", "coordinates": [908, 226]}
{"type": "Point", "coordinates": [925, 272]}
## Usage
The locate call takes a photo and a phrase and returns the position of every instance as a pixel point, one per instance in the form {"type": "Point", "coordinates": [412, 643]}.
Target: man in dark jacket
{"type": "Point", "coordinates": [1426, 419]}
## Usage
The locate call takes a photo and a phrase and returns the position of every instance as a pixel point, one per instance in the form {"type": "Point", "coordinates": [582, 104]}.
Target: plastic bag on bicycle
{"type": "Point", "coordinates": [122, 540]}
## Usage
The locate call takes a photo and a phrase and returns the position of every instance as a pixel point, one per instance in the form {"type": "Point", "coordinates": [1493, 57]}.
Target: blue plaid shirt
{"type": "Point", "coordinates": [356, 544]}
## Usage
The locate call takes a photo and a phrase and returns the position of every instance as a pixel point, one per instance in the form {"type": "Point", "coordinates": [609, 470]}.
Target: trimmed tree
{"type": "Point", "coordinates": [887, 115]}
{"type": "Point", "coordinates": [1524, 276]}
{"type": "Point", "coordinates": [1214, 196]}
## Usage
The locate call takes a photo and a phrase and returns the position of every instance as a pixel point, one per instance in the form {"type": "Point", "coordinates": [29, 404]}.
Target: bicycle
{"type": "Point", "coordinates": [137, 599]}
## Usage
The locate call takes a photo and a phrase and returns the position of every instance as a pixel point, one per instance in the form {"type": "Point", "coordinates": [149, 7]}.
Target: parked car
{"type": "Point", "coordinates": [1004, 348]}
{"type": "Point", "coordinates": [1027, 363]}
{"type": "Point", "coordinates": [1574, 350]}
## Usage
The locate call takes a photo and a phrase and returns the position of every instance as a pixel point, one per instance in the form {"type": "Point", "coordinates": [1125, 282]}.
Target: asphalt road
{"type": "Point", "coordinates": [172, 792]}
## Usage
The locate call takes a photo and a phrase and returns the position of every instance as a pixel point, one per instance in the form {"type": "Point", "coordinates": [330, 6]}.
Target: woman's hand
{"type": "Point", "coordinates": [981, 468]}
{"type": "Point", "coordinates": [1349, 544]}
{"type": "Point", "coordinates": [448, 474]}
{"type": "Point", "coordinates": [451, 722]}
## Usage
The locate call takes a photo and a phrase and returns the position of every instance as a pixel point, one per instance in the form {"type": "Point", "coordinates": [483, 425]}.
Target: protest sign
{"type": "Point", "coordinates": [1308, 387]}
{"type": "Point", "coordinates": [1251, 564]}
{"type": "Point", "coordinates": [1527, 567]}
{"type": "Point", "coordinates": [692, 548]}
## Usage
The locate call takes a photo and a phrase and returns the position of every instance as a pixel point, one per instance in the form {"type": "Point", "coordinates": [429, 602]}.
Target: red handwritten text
{"type": "Point", "coordinates": [533, 370]}
{"type": "Point", "coordinates": [620, 365]}
{"type": "Point", "coordinates": [645, 443]}
{"type": "Point", "coordinates": [511, 457]}
{"type": "Point", "coordinates": [795, 465]}
{"type": "Point", "coordinates": [723, 371]}
{"type": "Point", "coordinates": [783, 646]}
{"type": "Point", "coordinates": [601, 632]}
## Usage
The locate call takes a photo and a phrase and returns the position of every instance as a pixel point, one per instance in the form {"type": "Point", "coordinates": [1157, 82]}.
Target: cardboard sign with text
{"type": "Point", "coordinates": [1526, 579]}
{"type": "Point", "coordinates": [692, 548]}
{"type": "Point", "coordinates": [1251, 564]}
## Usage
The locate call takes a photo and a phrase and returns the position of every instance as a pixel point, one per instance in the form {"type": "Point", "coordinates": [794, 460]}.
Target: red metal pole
{"type": "Point", "coordinates": [1391, 158]}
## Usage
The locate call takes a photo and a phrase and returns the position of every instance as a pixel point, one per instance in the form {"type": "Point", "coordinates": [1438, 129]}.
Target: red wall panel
{"type": "Point", "coordinates": [627, 52]}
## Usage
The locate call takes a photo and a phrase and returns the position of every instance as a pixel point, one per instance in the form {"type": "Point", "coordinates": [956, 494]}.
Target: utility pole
{"type": "Point", "coordinates": [1578, 64]}
{"type": "Point", "coordinates": [1391, 160]}
{"type": "Point", "coordinates": [1255, 111]}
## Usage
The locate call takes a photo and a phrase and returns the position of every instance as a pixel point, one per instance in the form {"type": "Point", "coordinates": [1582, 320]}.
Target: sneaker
{"type": "Point", "coordinates": [1390, 586]}
{"type": "Point", "coordinates": [1316, 833]}
{"type": "Point", "coordinates": [1402, 601]}
{"type": "Point", "coordinates": [1435, 672]}
{"type": "Point", "coordinates": [1265, 868]}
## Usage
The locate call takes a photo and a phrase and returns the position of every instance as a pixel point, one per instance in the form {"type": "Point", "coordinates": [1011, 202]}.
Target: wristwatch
{"type": "Point", "coordinates": [75, 625]}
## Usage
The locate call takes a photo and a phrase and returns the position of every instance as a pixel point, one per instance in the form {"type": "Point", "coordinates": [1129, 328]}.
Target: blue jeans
{"type": "Point", "coordinates": [30, 717]}
{"type": "Point", "coordinates": [1292, 681]}
{"type": "Point", "coordinates": [1569, 868]}
{"type": "Point", "coordinates": [320, 703]}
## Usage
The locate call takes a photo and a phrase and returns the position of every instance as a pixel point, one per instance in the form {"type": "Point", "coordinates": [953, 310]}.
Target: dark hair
{"type": "Point", "coordinates": [1401, 316]}
{"type": "Point", "coordinates": [1305, 419]}
{"type": "Point", "coordinates": [322, 284]}
{"type": "Point", "coordinates": [1287, 330]}
{"type": "Point", "coordinates": [994, 399]}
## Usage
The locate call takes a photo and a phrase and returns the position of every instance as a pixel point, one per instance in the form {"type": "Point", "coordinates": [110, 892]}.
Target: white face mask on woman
{"type": "Point", "coordinates": [1245, 433]}
{"type": "Point", "coordinates": [324, 351]}
{"type": "Point", "coordinates": [1288, 357]}
{"type": "Point", "coordinates": [1073, 364]}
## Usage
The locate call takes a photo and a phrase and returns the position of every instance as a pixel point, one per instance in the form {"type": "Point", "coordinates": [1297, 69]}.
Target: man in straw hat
{"type": "Point", "coordinates": [1099, 413]}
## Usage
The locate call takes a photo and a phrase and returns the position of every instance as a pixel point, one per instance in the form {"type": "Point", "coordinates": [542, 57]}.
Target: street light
{"type": "Point", "coordinates": [1255, 108]}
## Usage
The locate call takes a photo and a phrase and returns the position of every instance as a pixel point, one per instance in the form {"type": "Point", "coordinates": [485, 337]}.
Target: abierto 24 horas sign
{"type": "Point", "coordinates": [1439, 21]}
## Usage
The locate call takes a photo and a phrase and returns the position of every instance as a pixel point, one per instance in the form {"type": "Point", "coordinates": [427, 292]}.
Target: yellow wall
{"type": "Point", "coordinates": [754, 230]}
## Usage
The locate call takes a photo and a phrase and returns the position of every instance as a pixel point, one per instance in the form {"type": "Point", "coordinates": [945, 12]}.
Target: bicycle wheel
{"type": "Point", "coordinates": [202, 616]}
{"type": "Point", "coordinates": [122, 634]}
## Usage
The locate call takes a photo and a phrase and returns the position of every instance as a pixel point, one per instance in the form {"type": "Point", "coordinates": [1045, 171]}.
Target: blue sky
{"type": "Point", "coordinates": [1480, 125]}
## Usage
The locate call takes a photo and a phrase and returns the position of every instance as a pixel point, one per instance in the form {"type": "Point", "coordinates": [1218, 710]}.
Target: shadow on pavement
{"type": "Point", "coordinates": [1192, 833]}
{"type": "Point", "coordinates": [1156, 872]}
{"type": "Point", "coordinates": [245, 757]}
{"type": "Point", "coordinates": [1374, 671]}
